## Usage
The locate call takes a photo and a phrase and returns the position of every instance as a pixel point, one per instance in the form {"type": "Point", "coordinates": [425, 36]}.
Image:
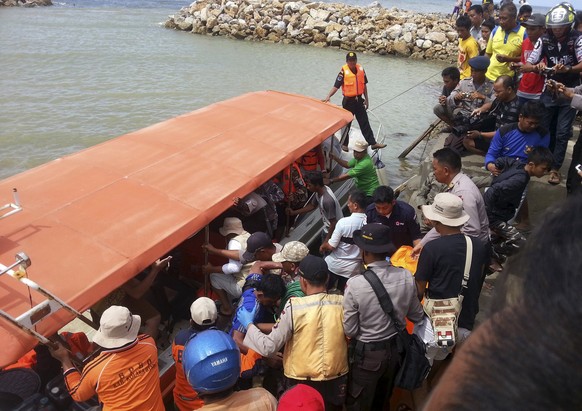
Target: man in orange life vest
{"type": "Point", "coordinates": [352, 79]}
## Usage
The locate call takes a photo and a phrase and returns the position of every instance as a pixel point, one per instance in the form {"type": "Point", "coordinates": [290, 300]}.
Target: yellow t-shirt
{"type": "Point", "coordinates": [505, 43]}
{"type": "Point", "coordinates": [468, 49]}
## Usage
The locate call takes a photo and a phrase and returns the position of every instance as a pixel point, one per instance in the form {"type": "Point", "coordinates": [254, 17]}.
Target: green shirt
{"type": "Point", "coordinates": [293, 290]}
{"type": "Point", "coordinates": [364, 174]}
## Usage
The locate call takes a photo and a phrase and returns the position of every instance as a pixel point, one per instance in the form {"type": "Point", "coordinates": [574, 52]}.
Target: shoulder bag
{"type": "Point", "coordinates": [444, 313]}
{"type": "Point", "coordinates": [414, 366]}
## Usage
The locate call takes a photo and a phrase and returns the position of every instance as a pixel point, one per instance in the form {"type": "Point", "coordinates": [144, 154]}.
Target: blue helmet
{"type": "Point", "coordinates": [211, 362]}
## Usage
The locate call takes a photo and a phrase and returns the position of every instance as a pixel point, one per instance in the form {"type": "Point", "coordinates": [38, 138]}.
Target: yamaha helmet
{"type": "Point", "coordinates": [211, 362]}
{"type": "Point", "coordinates": [559, 16]}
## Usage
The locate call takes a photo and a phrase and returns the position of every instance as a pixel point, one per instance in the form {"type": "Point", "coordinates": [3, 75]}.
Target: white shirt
{"type": "Point", "coordinates": [346, 259]}
{"type": "Point", "coordinates": [233, 266]}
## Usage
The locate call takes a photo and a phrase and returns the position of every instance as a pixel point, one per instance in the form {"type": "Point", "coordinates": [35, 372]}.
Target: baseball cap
{"type": "Point", "coordinates": [447, 209]}
{"type": "Point", "coordinates": [360, 146]}
{"type": "Point", "coordinates": [535, 20]}
{"type": "Point", "coordinates": [301, 397]}
{"type": "Point", "coordinates": [313, 268]}
{"type": "Point", "coordinates": [293, 251]}
{"type": "Point", "coordinates": [117, 327]}
{"type": "Point", "coordinates": [479, 62]}
{"type": "Point", "coordinates": [351, 56]}
{"type": "Point", "coordinates": [255, 242]}
{"type": "Point", "coordinates": [203, 311]}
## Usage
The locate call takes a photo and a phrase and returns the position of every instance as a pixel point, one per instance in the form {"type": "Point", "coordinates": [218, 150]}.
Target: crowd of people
{"type": "Point", "coordinates": [291, 327]}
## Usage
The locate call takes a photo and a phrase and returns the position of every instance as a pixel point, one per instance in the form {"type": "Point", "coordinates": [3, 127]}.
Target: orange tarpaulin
{"type": "Point", "coordinates": [94, 219]}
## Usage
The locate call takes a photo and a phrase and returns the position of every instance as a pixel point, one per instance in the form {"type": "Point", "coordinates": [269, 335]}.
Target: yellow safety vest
{"type": "Point", "coordinates": [318, 349]}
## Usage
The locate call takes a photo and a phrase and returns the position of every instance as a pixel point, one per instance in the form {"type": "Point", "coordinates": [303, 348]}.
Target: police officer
{"type": "Point", "coordinates": [352, 80]}
{"type": "Point", "coordinates": [561, 47]}
{"type": "Point", "coordinates": [374, 353]}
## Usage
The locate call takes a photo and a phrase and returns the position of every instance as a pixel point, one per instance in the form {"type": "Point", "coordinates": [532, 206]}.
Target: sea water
{"type": "Point", "coordinates": [79, 73]}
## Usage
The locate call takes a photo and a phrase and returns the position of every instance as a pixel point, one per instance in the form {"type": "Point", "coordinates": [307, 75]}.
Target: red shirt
{"type": "Point", "coordinates": [531, 84]}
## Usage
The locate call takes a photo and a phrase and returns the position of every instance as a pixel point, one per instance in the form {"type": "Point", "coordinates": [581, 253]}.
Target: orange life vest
{"type": "Point", "coordinates": [354, 84]}
{"type": "Point", "coordinates": [285, 182]}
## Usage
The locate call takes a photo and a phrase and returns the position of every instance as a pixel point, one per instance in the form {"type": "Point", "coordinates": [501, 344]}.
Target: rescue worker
{"type": "Point", "coordinates": [352, 80]}
{"type": "Point", "coordinates": [374, 352]}
{"type": "Point", "coordinates": [561, 47]}
{"type": "Point", "coordinates": [124, 376]}
{"type": "Point", "coordinates": [360, 168]}
{"type": "Point", "coordinates": [305, 324]}
{"type": "Point", "coordinates": [203, 315]}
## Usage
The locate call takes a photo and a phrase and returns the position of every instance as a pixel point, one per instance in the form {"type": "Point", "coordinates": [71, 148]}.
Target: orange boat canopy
{"type": "Point", "coordinates": [94, 219]}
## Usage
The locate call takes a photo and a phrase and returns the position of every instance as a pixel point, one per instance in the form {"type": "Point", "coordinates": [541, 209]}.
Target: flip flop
{"type": "Point", "coordinates": [555, 178]}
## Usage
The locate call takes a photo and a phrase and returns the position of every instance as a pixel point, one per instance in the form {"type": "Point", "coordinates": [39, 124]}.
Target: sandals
{"type": "Point", "coordinates": [555, 177]}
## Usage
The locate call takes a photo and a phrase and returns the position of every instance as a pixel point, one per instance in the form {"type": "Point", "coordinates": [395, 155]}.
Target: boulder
{"type": "Point", "coordinates": [400, 47]}
{"type": "Point", "coordinates": [407, 37]}
{"type": "Point", "coordinates": [394, 32]}
{"type": "Point", "coordinates": [409, 27]}
{"type": "Point", "coordinates": [320, 14]}
{"type": "Point", "coordinates": [436, 37]}
{"type": "Point", "coordinates": [186, 24]}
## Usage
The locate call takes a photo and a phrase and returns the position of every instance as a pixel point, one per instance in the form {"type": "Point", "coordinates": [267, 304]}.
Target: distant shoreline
{"type": "Point", "coordinates": [373, 29]}
{"type": "Point", "coordinates": [25, 3]}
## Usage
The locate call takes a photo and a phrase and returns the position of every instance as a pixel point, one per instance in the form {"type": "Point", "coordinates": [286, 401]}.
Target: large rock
{"type": "Point", "coordinates": [436, 37]}
{"type": "Point", "coordinates": [394, 32]}
{"type": "Point", "coordinates": [401, 47]}
{"type": "Point", "coordinates": [319, 14]}
{"type": "Point", "coordinates": [372, 29]}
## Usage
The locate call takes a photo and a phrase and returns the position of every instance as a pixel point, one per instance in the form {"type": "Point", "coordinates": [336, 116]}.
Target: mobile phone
{"type": "Point", "coordinates": [579, 168]}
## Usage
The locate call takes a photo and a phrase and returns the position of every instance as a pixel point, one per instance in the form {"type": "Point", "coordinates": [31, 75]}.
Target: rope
{"type": "Point", "coordinates": [406, 91]}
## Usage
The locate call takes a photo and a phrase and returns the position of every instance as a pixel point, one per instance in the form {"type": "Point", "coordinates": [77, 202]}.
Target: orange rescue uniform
{"type": "Point", "coordinates": [124, 379]}
{"type": "Point", "coordinates": [185, 398]}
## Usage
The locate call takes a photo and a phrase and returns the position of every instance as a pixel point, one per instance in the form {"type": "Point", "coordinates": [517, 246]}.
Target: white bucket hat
{"type": "Point", "coordinates": [447, 209]}
{"type": "Point", "coordinates": [203, 311]}
{"type": "Point", "coordinates": [231, 225]}
{"type": "Point", "coordinates": [117, 327]}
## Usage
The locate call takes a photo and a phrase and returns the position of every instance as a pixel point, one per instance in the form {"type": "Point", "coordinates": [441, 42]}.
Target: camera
{"type": "Point", "coordinates": [547, 71]}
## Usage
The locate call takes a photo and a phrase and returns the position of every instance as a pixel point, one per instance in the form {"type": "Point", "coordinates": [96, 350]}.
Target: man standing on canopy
{"type": "Point", "coordinates": [352, 80]}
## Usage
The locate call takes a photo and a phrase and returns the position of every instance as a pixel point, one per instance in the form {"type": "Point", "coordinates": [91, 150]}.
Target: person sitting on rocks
{"type": "Point", "coordinates": [451, 77]}
{"type": "Point", "coordinates": [470, 94]}
{"type": "Point", "coordinates": [504, 196]}
{"type": "Point", "coordinates": [503, 110]}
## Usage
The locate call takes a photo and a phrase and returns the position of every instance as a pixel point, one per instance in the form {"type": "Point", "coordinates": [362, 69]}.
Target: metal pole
{"type": "Point", "coordinates": [206, 241]}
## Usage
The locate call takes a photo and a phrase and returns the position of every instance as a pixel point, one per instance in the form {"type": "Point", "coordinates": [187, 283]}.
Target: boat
{"type": "Point", "coordinates": [84, 224]}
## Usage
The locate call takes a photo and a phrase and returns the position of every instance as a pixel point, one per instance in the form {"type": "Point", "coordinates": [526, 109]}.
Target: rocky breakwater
{"type": "Point", "coordinates": [373, 28]}
{"type": "Point", "coordinates": [25, 3]}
